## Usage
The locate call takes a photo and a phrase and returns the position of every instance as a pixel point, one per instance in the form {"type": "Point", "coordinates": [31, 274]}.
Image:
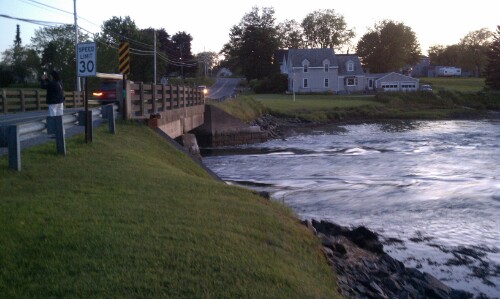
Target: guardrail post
{"type": "Point", "coordinates": [81, 122]}
{"type": "Point", "coordinates": [60, 142]}
{"type": "Point", "coordinates": [108, 112]}
{"type": "Point", "coordinates": [14, 147]}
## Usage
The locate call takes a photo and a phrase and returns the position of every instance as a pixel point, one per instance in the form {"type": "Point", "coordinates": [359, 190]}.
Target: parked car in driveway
{"type": "Point", "coordinates": [425, 87]}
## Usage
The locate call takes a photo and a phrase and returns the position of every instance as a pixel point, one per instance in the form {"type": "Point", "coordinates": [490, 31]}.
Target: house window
{"type": "Point", "coordinates": [326, 82]}
{"type": "Point", "coordinates": [306, 83]}
{"type": "Point", "coordinates": [351, 81]}
{"type": "Point", "coordinates": [327, 68]}
{"type": "Point", "coordinates": [306, 68]}
{"type": "Point", "coordinates": [350, 66]}
{"type": "Point", "coordinates": [370, 83]}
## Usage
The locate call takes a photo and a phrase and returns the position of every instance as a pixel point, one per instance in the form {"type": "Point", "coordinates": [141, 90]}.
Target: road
{"type": "Point", "coordinates": [223, 88]}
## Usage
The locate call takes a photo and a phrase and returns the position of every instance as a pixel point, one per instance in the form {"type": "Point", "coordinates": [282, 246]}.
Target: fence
{"type": "Point", "coordinates": [22, 100]}
{"type": "Point", "coordinates": [12, 135]}
{"type": "Point", "coordinates": [150, 99]}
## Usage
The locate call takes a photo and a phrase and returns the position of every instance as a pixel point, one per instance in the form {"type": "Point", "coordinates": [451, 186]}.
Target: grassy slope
{"type": "Point", "coordinates": [128, 216]}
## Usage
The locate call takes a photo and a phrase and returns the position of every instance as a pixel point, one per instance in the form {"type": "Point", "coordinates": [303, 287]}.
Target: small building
{"type": "Point", "coordinates": [224, 72]}
{"type": "Point", "coordinates": [391, 82]}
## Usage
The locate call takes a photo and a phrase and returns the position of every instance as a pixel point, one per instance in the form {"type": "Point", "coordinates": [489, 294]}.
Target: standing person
{"type": "Point", "coordinates": [55, 93]}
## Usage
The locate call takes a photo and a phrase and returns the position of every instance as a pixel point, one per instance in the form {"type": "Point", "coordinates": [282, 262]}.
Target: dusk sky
{"type": "Point", "coordinates": [442, 22]}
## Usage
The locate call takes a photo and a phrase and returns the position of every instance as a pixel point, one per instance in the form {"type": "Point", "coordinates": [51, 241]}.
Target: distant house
{"type": "Point", "coordinates": [323, 71]}
{"type": "Point", "coordinates": [224, 72]}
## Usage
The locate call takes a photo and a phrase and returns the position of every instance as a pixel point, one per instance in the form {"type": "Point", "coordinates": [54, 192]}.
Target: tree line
{"type": "Point", "coordinates": [53, 48]}
{"type": "Point", "coordinates": [387, 46]}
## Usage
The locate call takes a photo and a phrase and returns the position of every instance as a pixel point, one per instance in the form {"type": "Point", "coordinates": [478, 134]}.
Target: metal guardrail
{"type": "Point", "coordinates": [12, 135]}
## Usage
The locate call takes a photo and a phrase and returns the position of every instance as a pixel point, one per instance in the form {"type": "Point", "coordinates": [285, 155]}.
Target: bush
{"type": "Point", "coordinates": [277, 83]}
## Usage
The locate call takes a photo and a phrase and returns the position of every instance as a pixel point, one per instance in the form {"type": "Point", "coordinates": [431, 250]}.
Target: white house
{"type": "Point", "coordinates": [323, 71]}
{"type": "Point", "coordinates": [311, 70]}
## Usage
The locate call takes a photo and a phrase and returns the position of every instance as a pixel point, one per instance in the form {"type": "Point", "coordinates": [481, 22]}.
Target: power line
{"type": "Point", "coordinates": [36, 22]}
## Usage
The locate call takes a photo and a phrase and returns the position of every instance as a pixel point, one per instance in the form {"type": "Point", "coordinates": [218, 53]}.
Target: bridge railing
{"type": "Point", "coordinates": [23, 100]}
{"type": "Point", "coordinates": [145, 100]}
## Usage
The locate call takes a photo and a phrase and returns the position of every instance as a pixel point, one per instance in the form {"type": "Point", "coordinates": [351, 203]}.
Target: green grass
{"type": "Point", "coordinates": [128, 216]}
{"type": "Point", "coordinates": [314, 107]}
{"type": "Point", "coordinates": [455, 84]}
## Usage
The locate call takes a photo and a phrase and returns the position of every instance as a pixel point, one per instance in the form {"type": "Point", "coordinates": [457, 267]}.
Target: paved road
{"type": "Point", "coordinates": [223, 88]}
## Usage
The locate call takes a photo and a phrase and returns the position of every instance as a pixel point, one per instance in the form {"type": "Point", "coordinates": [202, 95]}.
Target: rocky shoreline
{"type": "Point", "coordinates": [364, 270]}
{"type": "Point", "coordinates": [356, 255]}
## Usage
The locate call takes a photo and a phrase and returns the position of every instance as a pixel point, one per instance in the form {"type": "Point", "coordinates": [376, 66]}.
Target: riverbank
{"type": "Point", "coordinates": [304, 168]}
{"type": "Point", "coordinates": [130, 216]}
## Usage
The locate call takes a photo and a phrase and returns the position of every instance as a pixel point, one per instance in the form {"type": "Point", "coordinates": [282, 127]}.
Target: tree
{"type": "Point", "coordinates": [113, 32]}
{"type": "Point", "coordinates": [445, 56]}
{"type": "Point", "coordinates": [182, 60]}
{"type": "Point", "coordinates": [291, 35]}
{"type": "Point", "coordinates": [389, 46]}
{"type": "Point", "coordinates": [207, 61]}
{"type": "Point", "coordinates": [326, 29]}
{"type": "Point", "coordinates": [21, 64]}
{"type": "Point", "coordinates": [475, 45]}
{"type": "Point", "coordinates": [253, 43]}
{"type": "Point", "coordinates": [56, 46]}
{"type": "Point", "coordinates": [492, 70]}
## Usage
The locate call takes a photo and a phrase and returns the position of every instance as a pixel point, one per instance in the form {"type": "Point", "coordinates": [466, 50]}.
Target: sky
{"type": "Point", "coordinates": [437, 22]}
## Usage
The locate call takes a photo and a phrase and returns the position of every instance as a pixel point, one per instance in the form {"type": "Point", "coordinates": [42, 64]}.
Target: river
{"type": "Point", "coordinates": [431, 189]}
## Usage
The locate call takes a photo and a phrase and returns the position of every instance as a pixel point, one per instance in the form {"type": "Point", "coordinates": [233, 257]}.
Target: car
{"type": "Point", "coordinates": [425, 87]}
{"type": "Point", "coordinates": [106, 92]}
{"type": "Point", "coordinates": [204, 88]}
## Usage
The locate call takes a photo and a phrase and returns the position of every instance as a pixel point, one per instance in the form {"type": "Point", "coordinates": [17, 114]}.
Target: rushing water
{"type": "Point", "coordinates": [430, 188]}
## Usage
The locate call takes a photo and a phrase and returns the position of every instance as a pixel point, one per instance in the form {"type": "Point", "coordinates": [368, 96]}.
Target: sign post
{"type": "Point", "coordinates": [124, 67]}
{"type": "Point", "coordinates": [86, 55]}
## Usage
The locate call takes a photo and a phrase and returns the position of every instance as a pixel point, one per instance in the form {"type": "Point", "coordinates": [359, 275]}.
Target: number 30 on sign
{"type": "Point", "coordinates": [86, 59]}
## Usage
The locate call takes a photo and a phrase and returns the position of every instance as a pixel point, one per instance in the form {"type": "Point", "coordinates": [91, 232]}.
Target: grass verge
{"type": "Point", "coordinates": [129, 216]}
{"type": "Point", "coordinates": [329, 108]}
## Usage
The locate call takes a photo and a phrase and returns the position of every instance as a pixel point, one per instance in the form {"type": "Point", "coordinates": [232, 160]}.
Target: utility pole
{"type": "Point", "coordinates": [78, 87]}
{"type": "Point", "coordinates": [154, 45]}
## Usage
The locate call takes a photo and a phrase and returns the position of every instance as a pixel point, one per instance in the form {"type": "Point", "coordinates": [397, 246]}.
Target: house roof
{"type": "Point", "coordinates": [396, 77]}
{"type": "Point", "coordinates": [342, 61]}
{"type": "Point", "coordinates": [314, 56]}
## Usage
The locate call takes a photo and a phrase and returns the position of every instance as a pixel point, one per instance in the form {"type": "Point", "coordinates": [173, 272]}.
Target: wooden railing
{"type": "Point", "coordinates": [22, 100]}
{"type": "Point", "coordinates": [148, 99]}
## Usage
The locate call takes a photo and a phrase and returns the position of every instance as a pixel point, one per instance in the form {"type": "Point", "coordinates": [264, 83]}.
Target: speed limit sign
{"type": "Point", "coordinates": [86, 59]}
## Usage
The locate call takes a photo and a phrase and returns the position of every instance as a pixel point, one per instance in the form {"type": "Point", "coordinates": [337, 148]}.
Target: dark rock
{"type": "Point", "coordinates": [364, 270]}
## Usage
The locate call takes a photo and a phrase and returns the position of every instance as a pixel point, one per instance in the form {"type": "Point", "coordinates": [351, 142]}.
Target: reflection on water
{"type": "Point", "coordinates": [434, 185]}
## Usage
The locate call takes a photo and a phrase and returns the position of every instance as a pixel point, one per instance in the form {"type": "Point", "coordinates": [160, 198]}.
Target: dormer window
{"type": "Point", "coordinates": [350, 66]}
{"type": "Point", "coordinates": [326, 65]}
{"type": "Point", "coordinates": [305, 65]}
